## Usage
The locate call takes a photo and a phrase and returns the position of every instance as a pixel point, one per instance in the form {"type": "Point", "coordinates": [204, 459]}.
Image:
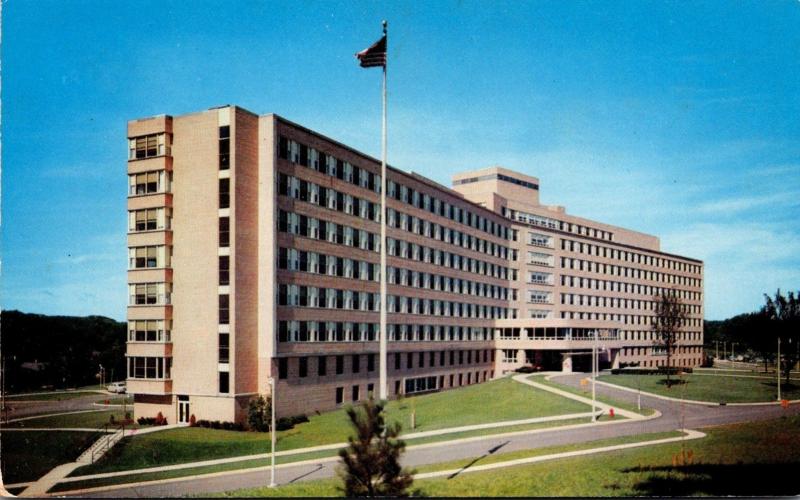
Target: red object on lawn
{"type": "Point", "coordinates": [611, 412]}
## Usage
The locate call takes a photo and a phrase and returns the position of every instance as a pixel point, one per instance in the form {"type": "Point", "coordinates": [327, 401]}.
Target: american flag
{"type": "Point", "coordinates": [375, 55]}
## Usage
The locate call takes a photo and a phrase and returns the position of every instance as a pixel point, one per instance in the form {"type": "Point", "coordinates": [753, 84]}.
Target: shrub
{"type": "Point", "coordinates": [112, 420]}
{"type": "Point", "coordinates": [160, 420]}
{"type": "Point", "coordinates": [259, 413]}
{"type": "Point", "coordinates": [192, 420]}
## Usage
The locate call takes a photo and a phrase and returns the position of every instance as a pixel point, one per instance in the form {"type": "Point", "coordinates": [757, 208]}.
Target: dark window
{"type": "Point", "coordinates": [224, 193]}
{"type": "Point", "coordinates": [339, 395]}
{"type": "Point", "coordinates": [370, 390]}
{"type": "Point", "coordinates": [283, 148]}
{"type": "Point", "coordinates": [224, 348]}
{"type": "Point", "coordinates": [224, 270]}
{"type": "Point", "coordinates": [224, 231]}
{"type": "Point", "coordinates": [432, 361]}
{"type": "Point", "coordinates": [303, 369]}
{"type": "Point", "coordinates": [224, 309]}
{"type": "Point", "coordinates": [322, 366]}
{"type": "Point", "coordinates": [224, 147]}
{"type": "Point", "coordinates": [410, 361]}
{"type": "Point", "coordinates": [355, 393]}
{"type": "Point", "coordinates": [452, 359]}
{"type": "Point", "coordinates": [356, 363]}
{"type": "Point", "coordinates": [397, 387]}
{"type": "Point", "coordinates": [441, 360]}
{"type": "Point", "coordinates": [224, 382]}
{"type": "Point", "coordinates": [460, 359]}
{"type": "Point", "coordinates": [339, 365]}
{"type": "Point", "coordinates": [422, 360]}
{"type": "Point", "coordinates": [370, 362]}
{"type": "Point", "coordinates": [283, 368]}
{"type": "Point", "coordinates": [397, 361]}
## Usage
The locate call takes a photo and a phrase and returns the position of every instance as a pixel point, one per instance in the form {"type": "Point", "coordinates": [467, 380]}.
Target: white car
{"type": "Point", "coordinates": [116, 387]}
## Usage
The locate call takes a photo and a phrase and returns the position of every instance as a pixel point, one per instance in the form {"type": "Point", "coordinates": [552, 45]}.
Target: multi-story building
{"type": "Point", "coordinates": [254, 253]}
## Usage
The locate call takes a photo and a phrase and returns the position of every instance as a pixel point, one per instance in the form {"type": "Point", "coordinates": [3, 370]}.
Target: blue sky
{"type": "Point", "coordinates": [679, 119]}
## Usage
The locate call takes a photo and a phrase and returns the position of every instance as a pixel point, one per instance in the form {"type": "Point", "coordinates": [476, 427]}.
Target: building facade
{"type": "Point", "coordinates": [254, 253]}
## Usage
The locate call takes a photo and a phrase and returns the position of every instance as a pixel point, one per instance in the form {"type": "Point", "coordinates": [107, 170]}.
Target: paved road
{"type": "Point", "coordinates": [694, 416]}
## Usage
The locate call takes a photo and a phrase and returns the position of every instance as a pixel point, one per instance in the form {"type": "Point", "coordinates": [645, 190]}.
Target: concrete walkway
{"type": "Point", "coordinates": [20, 419]}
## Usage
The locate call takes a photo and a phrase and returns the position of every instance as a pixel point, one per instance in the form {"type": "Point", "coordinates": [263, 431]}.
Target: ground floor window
{"type": "Point", "coordinates": [509, 355]}
{"type": "Point", "coordinates": [421, 384]}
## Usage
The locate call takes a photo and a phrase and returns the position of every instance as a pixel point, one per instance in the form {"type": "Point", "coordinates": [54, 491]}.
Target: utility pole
{"type": "Point", "coordinates": [733, 356]}
{"type": "Point", "coordinates": [272, 433]}
{"type": "Point", "coordinates": [716, 342]}
{"type": "Point", "coordinates": [594, 366]}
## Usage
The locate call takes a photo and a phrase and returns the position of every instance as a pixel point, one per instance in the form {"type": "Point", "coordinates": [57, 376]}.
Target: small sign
{"type": "Point", "coordinates": [584, 382]}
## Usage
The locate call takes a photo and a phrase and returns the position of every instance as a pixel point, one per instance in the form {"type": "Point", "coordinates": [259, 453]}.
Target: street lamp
{"type": "Point", "coordinates": [272, 432]}
{"type": "Point", "coordinates": [778, 368]}
{"type": "Point", "coordinates": [594, 364]}
{"type": "Point", "coordinates": [733, 356]}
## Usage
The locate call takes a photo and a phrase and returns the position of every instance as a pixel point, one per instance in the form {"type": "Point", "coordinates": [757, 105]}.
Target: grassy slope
{"type": "Point", "coordinates": [709, 387]}
{"type": "Point", "coordinates": [745, 459]}
{"type": "Point", "coordinates": [587, 393]}
{"type": "Point", "coordinates": [23, 458]}
{"type": "Point", "coordinates": [493, 401]}
{"type": "Point", "coordinates": [86, 420]}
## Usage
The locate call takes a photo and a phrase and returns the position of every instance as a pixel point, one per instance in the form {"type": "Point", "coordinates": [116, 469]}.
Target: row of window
{"type": "Point", "coordinates": [540, 240]}
{"type": "Point", "coordinates": [659, 350]}
{"type": "Point", "coordinates": [149, 367]}
{"type": "Point", "coordinates": [157, 256]}
{"type": "Point", "coordinates": [149, 294]}
{"type": "Point", "coordinates": [555, 333]}
{"type": "Point", "coordinates": [418, 385]}
{"type": "Point", "coordinates": [624, 255]}
{"type": "Point", "coordinates": [309, 157]}
{"type": "Point", "coordinates": [224, 149]}
{"type": "Point", "coordinates": [341, 234]}
{"type": "Point", "coordinates": [159, 181]}
{"type": "Point", "coordinates": [438, 282]}
{"type": "Point", "coordinates": [502, 177]}
{"type": "Point", "coordinates": [149, 146]}
{"type": "Point", "coordinates": [621, 286]}
{"type": "Point", "coordinates": [352, 205]}
{"type": "Point", "coordinates": [628, 272]}
{"type": "Point", "coordinates": [619, 303]}
{"type": "Point", "coordinates": [149, 330]}
{"type": "Point", "coordinates": [352, 364]}
{"type": "Point", "coordinates": [150, 219]}
{"type": "Point", "coordinates": [333, 331]}
{"type": "Point", "coordinates": [627, 319]}
{"type": "Point", "coordinates": [550, 223]}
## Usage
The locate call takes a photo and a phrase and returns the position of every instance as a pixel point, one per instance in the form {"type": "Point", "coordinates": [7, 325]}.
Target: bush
{"type": "Point", "coordinates": [259, 413]}
{"type": "Point", "coordinates": [216, 424]}
{"type": "Point", "coordinates": [152, 420]}
{"type": "Point", "coordinates": [160, 420]}
{"type": "Point", "coordinates": [192, 420]}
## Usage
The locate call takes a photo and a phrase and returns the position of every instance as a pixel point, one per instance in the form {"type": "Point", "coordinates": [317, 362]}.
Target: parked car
{"type": "Point", "coordinates": [117, 387]}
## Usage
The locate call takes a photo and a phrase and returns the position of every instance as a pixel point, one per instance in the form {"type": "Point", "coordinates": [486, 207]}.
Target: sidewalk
{"type": "Point", "coordinates": [603, 406]}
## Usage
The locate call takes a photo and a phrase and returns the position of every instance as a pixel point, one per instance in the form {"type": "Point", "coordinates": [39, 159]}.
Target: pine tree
{"type": "Point", "coordinates": [371, 462]}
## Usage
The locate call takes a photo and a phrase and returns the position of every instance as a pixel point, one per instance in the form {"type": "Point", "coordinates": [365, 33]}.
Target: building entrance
{"type": "Point", "coordinates": [183, 409]}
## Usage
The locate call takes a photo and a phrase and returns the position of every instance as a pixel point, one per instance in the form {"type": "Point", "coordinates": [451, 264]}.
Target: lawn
{"type": "Point", "coordinates": [709, 387]}
{"type": "Point", "coordinates": [24, 456]}
{"type": "Point", "coordinates": [116, 400]}
{"type": "Point", "coordinates": [587, 393]}
{"type": "Point", "coordinates": [54, 396]}
{"type": "Point", "coordinates": [85, 420]}
{"type": "Point", "coordinates": [750, 459]}
{"type": "Point", "coordinates": [494, 401]}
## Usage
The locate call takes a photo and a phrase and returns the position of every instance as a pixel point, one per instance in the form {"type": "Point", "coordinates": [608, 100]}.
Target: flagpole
{"type": "Point", "coordinates": [383, 328]}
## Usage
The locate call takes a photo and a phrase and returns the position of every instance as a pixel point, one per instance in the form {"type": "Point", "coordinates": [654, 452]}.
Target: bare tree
{"type": "Point", "coordinates": [667, 323]}
{"type": "Point", "coordinates": [371, 462]}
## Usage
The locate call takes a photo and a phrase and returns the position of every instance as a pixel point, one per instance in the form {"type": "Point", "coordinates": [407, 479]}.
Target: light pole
{"type": "Point", "coordinates": [778, 368]}
{"type": "Point", "coordinates": [733, 356]}
{"type": "Point", "coordinates": [594, 365]}
{"type": "Point", "coordinates": [724, 348]}
{"type": "Point", "coordinates": [716, 343]}
{"type": "Point", "coordinates": [272, 432]}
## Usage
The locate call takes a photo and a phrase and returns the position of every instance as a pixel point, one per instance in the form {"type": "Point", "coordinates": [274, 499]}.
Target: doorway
{"type": "Point", "coordinates": [183, 409]}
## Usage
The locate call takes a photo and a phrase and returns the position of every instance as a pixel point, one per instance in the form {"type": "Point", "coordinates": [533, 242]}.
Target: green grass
{"type": "Point", "coordinates": [29, 455]}
{"type": "Point", "coordinates": [587, 393]}
{"type": "Point", "coordinates": [709, 387]}
{"type": "Point", "coordinates": [507, 399]}
{"type": "Point", "coordinates": [262, 462]}
{"type": "Point", "coordinates": [759, 458]}
{"type": "Point", "coordinates": [118, 400]}
{"type": "Point", "coordinates": [55, 396]}
{"type": "Point", "coordinates": [86, 420]}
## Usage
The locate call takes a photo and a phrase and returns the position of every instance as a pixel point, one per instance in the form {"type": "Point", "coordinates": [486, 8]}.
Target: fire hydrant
{"type": "Point", "coordinates": [611, 412]}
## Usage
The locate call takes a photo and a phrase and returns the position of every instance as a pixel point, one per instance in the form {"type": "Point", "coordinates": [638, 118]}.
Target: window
{"type": "Point", "coordinates": [509, 355]}
{"type": "Point", "coordinates": [224, 348]}
{"type": "Point", "coordinates": [339, 365]}
{"type": "Point", "coordinates": [370, 390]}
{"type": "Point", "coordinates": [150, 219]}
{"type": "Point", "coordinates": [224, 147]}
{"type": "Point", "coordinates": [148, 257]}
{"type": "Point", "coordinates": [148, 183]}
{"type": "Point", "coordinates": [224, 382]}
{"type": "Point", "coordinates": [149, 367]}
{"type": "Point", "coordinates": [148, 146]}
{"type": "Point", "coordinates": [322, 366]}
{"type": "Point", "coordinates": [303, 368]}
{"type": "Point", "coordinates": [283, 368]}
{"type": "Point", "coordinates": [355, 393]}
{"type": "Point", "coordinates": [339, 395]}
{"type": "Point", "coordinates": [421, 384]}
{"type": "Point", "coordinates": [224, 193]}
{"type": "Point", "coordinates": [224, 231]}
{"type": "Point", "coordinates": [370, 362]}
{"type": "Point", "coordinates": [224, 270]}
{"type": "Point", "coordinates": [356, 363]}
{"type": "Point", "coordinates": [224, 309]}
{"type": "Point", "coordinates": [149, 293]}
{"type": "Point", "coordinates": [151, 330]}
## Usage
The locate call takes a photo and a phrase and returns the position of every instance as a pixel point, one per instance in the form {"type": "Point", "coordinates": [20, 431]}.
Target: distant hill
{"type": "Point", "coordinates": [59, 351]}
